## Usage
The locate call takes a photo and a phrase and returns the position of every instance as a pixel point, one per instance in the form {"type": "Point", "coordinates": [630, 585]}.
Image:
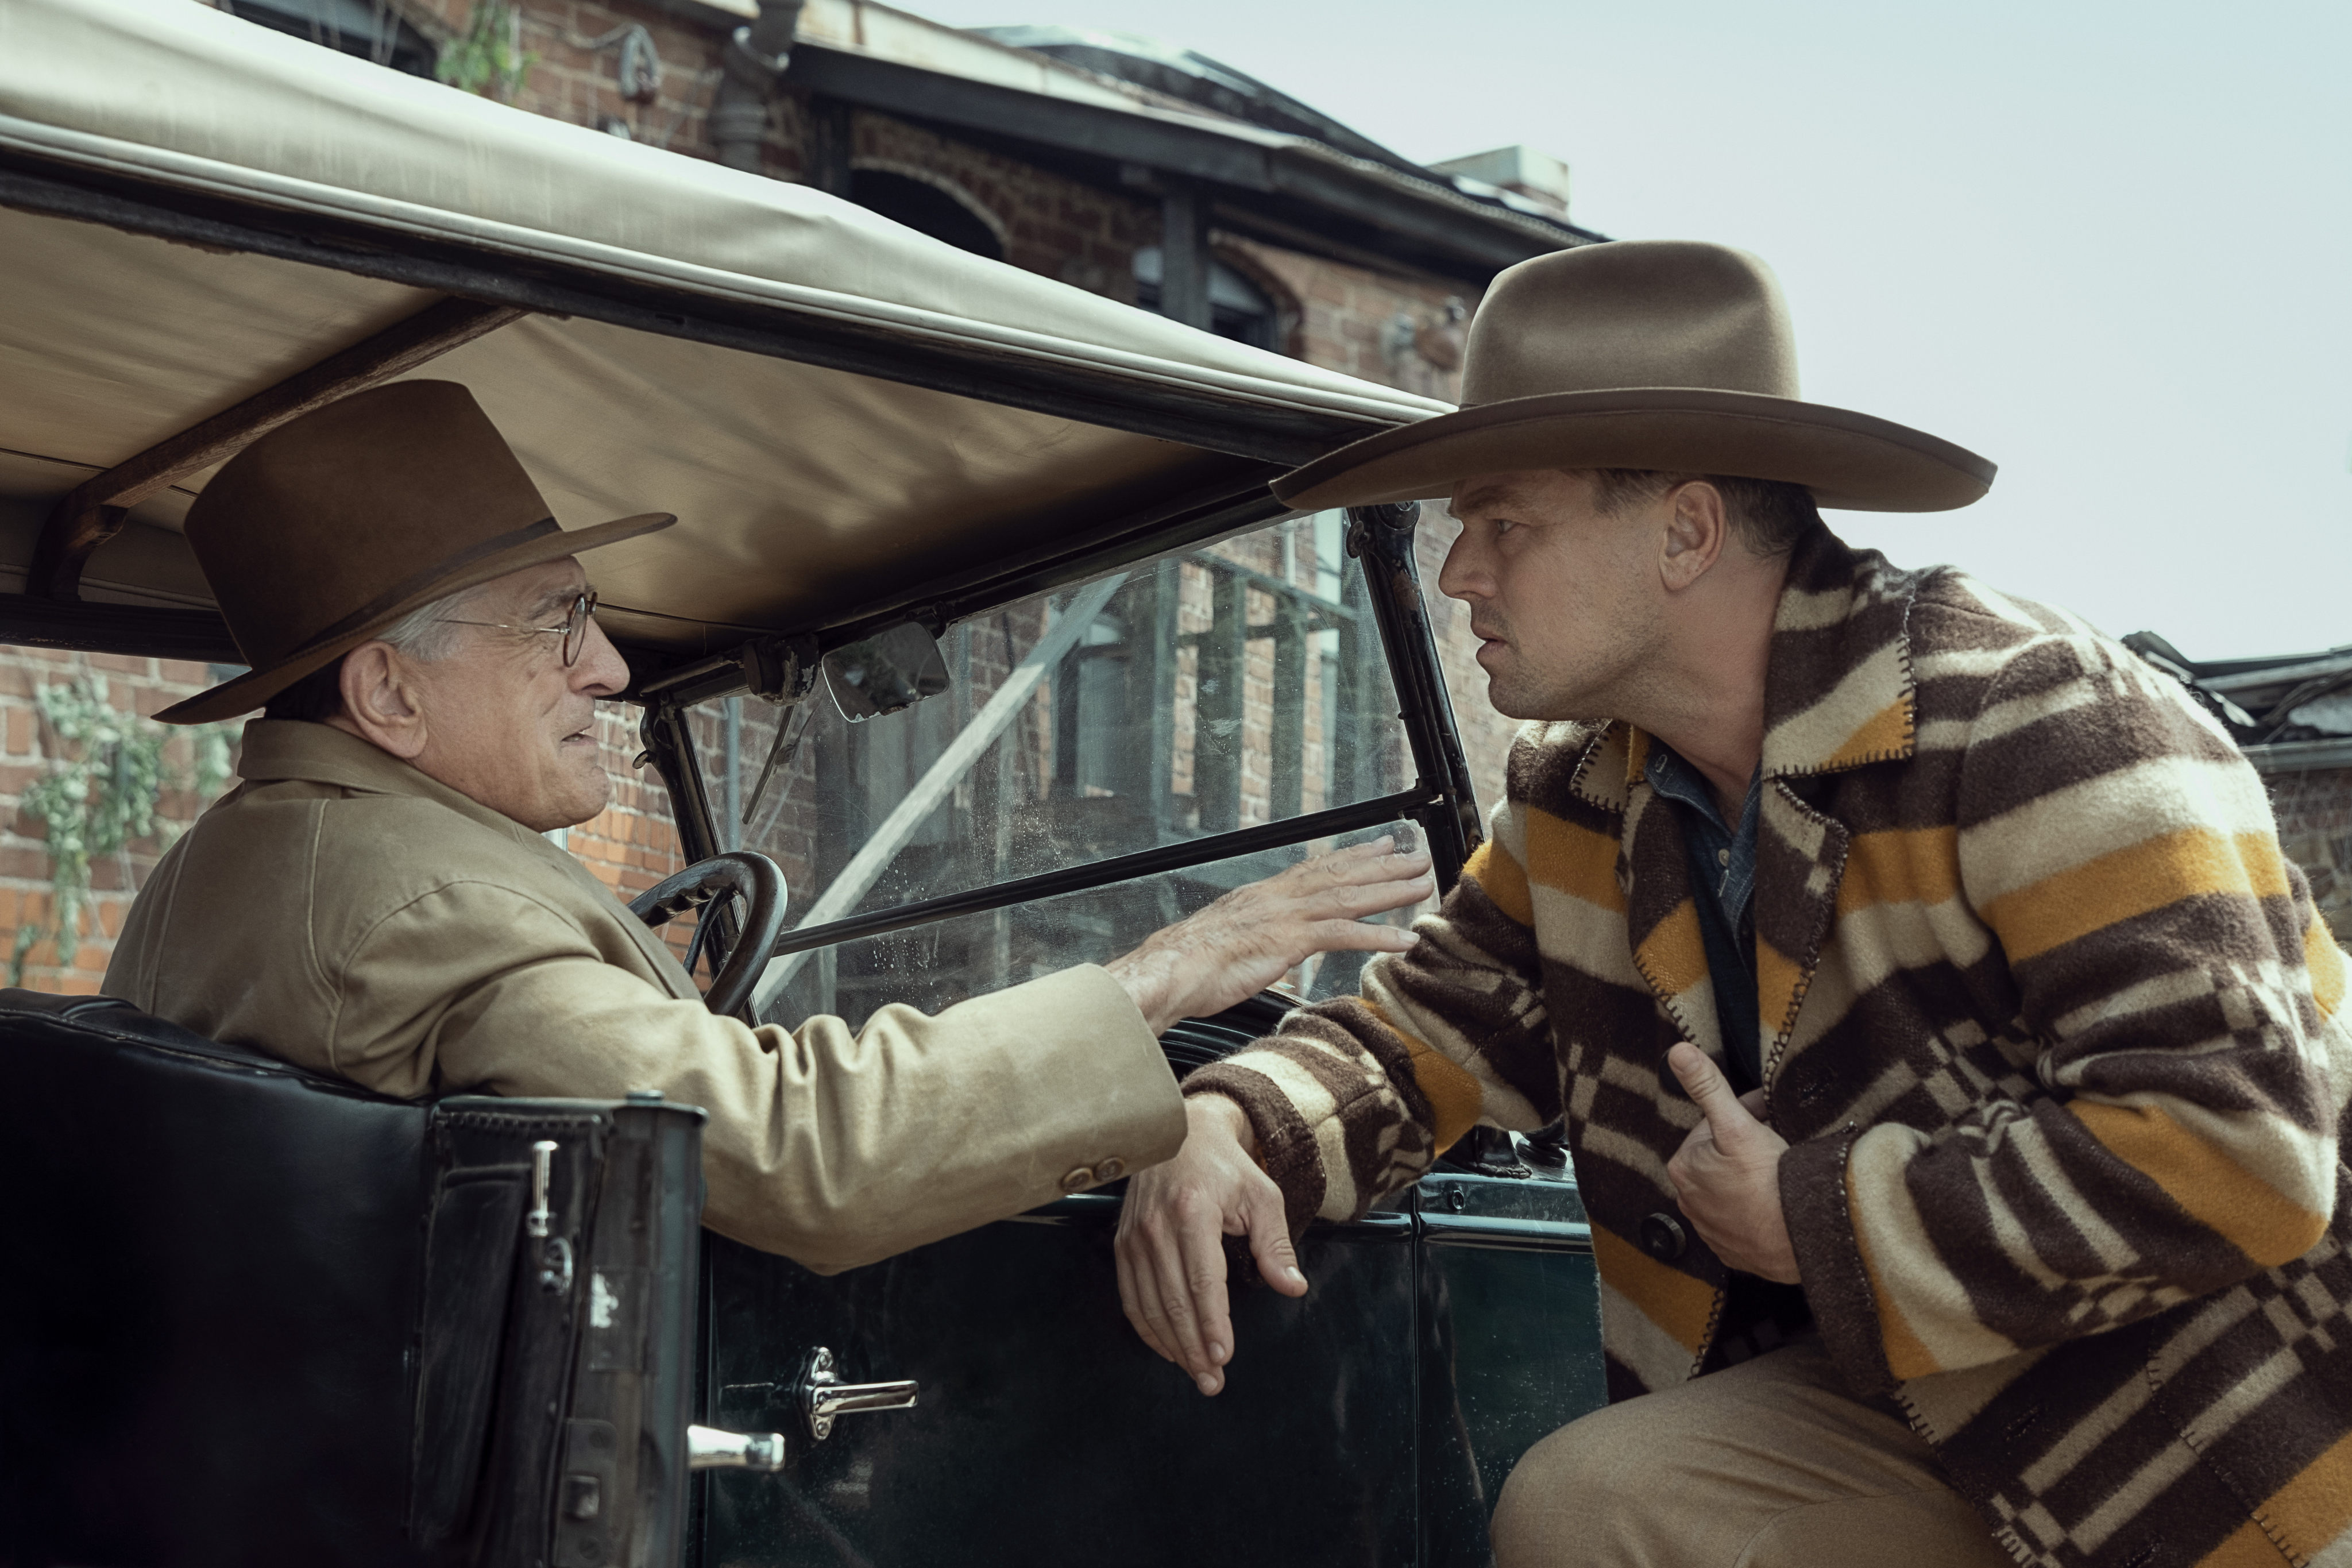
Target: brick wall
{"type": "Point", "coordinates": [567, 80]}
{"type": "Point", "coordinates": [2314, 825]}
{"type": "Point", "coordinates": [1051, 226]}
{"type": "Point", "coordinates": [137, 686]}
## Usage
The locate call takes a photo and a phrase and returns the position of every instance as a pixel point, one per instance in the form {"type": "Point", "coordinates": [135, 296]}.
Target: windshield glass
{"type": "Point", "coordinates": [944, 962]}
{"type": "Point", "coordinates": [1230, 686]}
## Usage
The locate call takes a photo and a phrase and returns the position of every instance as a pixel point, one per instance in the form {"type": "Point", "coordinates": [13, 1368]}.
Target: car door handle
{"type": "Point", "coordinates": [709, 1448]}
{"type": "Point", "coordinates": [822, 1396]}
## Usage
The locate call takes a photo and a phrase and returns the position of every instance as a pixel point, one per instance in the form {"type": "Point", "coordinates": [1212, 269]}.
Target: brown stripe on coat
{"type": "Point", "coordinates": [1285, 1144]}
{"type": "Point", "coordinates": [1480, 988]}
{"type": "Point", "coordinates": [1846, 1308]}
{"type": "Point", "coordinates": [2285, 1432]}
{"type": "Point", "coordinates": [2019, 1429]}
{"type": "Point", "coordinates": [2108, 731]}
{"type": "Point", "coordinates": [1384, 1128]}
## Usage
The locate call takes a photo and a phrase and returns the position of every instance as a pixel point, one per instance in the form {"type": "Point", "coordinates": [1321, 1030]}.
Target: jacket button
{"type": "Point", "coordinates": [1079, 1179]}
{"type": "Point", "coordinates": [1110, 1170]}
{"type": "Point", "coordinates": [1662, 1238]}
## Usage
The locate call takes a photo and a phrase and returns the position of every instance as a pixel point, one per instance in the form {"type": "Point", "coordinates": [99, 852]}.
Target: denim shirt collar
{"type": "Point", "coordinates": [1732, 877]}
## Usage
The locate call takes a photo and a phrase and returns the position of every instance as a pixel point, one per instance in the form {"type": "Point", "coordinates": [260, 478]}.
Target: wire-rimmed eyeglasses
{"type": "Point", "coordinates": [574, 629]}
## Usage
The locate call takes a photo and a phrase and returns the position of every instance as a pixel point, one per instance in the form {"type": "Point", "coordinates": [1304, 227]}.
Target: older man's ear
{"type": "Point", "coordinates": [380, 703]}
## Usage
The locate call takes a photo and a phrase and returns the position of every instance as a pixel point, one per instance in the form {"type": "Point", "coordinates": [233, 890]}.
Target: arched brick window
{"type": "Point", "coordinates": [927, 204]}
{"type": "Point", "coordinates": [1243, 305]}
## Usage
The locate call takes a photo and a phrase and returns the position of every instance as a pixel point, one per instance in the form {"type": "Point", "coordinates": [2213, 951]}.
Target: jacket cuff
{"type": "Point", "coordinates": [1820, 1215]}
{"type": "Point", "coordinates": [1286, 1143]}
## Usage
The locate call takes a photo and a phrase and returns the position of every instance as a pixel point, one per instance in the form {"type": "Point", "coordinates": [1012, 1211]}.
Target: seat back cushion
{"type": "Point", "coordinates": [213, 1265]}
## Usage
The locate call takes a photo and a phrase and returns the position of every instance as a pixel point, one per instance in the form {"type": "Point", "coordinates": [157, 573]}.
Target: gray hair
{"type": "Point", "coordinates": [425, 633]}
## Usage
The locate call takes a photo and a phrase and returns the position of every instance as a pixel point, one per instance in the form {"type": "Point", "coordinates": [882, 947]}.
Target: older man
{"type": "Point", "coordinates": [1953, 1068]}
{"type": "Point", "coordinates": [376, 900]}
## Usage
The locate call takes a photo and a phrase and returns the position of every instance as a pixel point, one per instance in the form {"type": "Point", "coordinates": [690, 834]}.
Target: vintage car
{"type": "Point", "coordinates": [980, 623]}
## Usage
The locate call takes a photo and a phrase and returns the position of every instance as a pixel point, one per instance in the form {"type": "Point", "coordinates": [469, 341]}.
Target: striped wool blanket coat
{"type": "Point", "coordinates": [2051, 1026]}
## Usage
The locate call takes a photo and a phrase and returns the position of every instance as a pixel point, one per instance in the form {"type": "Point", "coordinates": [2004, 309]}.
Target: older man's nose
{"type": "Point", "coordinates": [601, 671]}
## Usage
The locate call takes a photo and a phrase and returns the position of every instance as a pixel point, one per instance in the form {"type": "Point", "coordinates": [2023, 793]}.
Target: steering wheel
{"type": "Point", "coordinates": [759, 882]}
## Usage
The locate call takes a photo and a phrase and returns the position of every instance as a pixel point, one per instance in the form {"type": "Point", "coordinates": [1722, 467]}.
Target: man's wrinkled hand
{"type": "Point", "coordinates": [1172, 1247]}
{"type": "Point", "coordinates": [1255, 934]}
{"type": "Point", "coordinates": [1726, 1175]}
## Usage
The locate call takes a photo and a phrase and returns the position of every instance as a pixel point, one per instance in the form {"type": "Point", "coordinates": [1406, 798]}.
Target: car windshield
{"type": "Point", "coordinates": [1239, 685]}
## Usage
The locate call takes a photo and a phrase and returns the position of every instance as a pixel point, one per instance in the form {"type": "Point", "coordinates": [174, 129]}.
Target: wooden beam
{"type": "Point", "coordinates": [94, 511]}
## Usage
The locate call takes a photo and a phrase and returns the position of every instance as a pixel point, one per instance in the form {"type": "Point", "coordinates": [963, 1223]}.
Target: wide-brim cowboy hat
{"type": "Point", "coordinates": [333, 526]}
{"type": "Point", "coordinates": [1666, 355]}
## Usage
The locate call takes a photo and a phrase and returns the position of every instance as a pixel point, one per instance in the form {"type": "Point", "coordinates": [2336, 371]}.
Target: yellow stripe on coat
{"type": "Point", "coordinates": [2135, 880]}
{"type": "Point", "coordinates": [1682, 1307]}
{"type": "Point", "coordinates": [1454, 1098]}
{"type": "Point", "coordinates": [2325, 960]}
{"type": "Point", "coordinates": [2215, 1190]}
{"type": "Point", "coordinates": [2314, 1510]}
{"type": "Point", "coordinates": [2305, 1515]}
{"type": "Point", "coordinates": [1901, 865]}
{"type": "Point", "coordinates": [1885, 734]}
{"type": "Point", "coordinates": [1576, 860]}
{"type": "Point", "coordinates": [1673, 955]}
{"type": "Point", "coordinates": [1777, 976]}
{"type": "Point", "coordinates": [1503, 880]}
{"type": "Point", "coordinates": [2246, 1547]}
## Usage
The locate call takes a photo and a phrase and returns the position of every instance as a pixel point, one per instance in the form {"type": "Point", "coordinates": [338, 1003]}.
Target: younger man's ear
{"type": "Point", "coordinates": [1697, 527]}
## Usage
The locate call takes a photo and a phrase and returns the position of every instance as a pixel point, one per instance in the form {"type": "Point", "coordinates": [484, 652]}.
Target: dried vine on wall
{"type": "Point", "coordinates": [106, 776]}
{"type": "Point", "coordinates": [486, 58]}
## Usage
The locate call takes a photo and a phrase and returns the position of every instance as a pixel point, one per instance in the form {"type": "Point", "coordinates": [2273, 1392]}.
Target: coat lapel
{"type": "Point", "coordinates": [1838, 694]}
{"type": "Point", "coordinates": [1660, 916]}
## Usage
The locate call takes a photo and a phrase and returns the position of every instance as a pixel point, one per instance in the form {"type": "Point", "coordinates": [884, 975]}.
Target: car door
{"type": "Point", "coordinates": [1104, 759]}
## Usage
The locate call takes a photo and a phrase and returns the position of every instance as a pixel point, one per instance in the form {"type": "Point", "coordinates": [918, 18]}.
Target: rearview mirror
{"type": "Point", "coordinates": [895, 667]}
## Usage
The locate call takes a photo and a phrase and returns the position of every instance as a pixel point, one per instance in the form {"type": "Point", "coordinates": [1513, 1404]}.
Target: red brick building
{"type": "Point", "coordinates": [1133, 170]}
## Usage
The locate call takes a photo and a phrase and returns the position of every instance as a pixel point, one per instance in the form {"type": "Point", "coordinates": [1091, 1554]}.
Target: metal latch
{"type": "Point", "coordinates": [554, 1251]}
{"type": "Point", "coordinates": [709, 1448]}
{"type": "Point", "coordinates": [823, 1395]}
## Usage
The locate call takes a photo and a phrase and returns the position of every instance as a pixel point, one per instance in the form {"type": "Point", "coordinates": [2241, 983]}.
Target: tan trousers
{"type": "Point", "coordinates": [1770, 1464]}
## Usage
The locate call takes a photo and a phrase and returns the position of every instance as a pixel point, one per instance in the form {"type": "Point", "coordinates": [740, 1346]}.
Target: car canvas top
{"type": "Point", "coordinates": [850, 418]}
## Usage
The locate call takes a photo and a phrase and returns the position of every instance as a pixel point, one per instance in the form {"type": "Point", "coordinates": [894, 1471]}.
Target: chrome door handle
{"type": "Point", "coordinates": [709, 1448]}
{"type": "Point", "coordinates": [823, 1395]}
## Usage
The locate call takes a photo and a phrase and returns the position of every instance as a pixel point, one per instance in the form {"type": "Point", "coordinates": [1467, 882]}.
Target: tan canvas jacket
{"type": "Point", "coordinates": [341, 910]}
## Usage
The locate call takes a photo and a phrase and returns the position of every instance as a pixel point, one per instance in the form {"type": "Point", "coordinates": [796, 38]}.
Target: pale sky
{"type": "Point", "coordinates": [2107, 245]}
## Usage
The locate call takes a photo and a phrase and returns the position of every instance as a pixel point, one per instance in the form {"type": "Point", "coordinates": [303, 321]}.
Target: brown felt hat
{"type": "Point", "coordinates": [1664, 355]}
{"type": "Point", "coordinates": [335, 525]}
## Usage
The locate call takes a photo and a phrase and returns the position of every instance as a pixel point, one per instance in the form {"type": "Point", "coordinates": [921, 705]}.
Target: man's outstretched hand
{"type": "Point", "coordinates": [1172, 1247]}
{"type": "Point", "coordinates": [1726, 1175]}
{"type": "Point", "coordinates": [1172, 1230]}
{"type": "Point", "coordinates": [1255, 935]}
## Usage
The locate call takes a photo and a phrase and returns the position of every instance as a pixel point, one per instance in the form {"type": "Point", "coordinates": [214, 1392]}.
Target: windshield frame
{"type": "Point", "coordinates": [1440, 801]}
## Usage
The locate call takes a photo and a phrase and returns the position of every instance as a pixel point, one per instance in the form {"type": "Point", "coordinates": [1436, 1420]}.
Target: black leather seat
{"type": "Point", "coordinates": [251, 1315]}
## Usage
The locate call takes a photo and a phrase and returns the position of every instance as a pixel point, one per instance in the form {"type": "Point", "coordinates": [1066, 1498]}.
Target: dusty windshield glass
{"type": "Point", "coordinates": [1225, 686]}
{"type": "Point", "coordinates": [941, 963]}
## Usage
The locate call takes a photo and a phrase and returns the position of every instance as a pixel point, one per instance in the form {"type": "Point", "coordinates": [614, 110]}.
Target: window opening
{"type": "Point", "coordinates": [372, 31]}
{"type": "Point", "coordinates": [1238, 308]}
{"type": "Point", "coordinates": [926, 208]}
